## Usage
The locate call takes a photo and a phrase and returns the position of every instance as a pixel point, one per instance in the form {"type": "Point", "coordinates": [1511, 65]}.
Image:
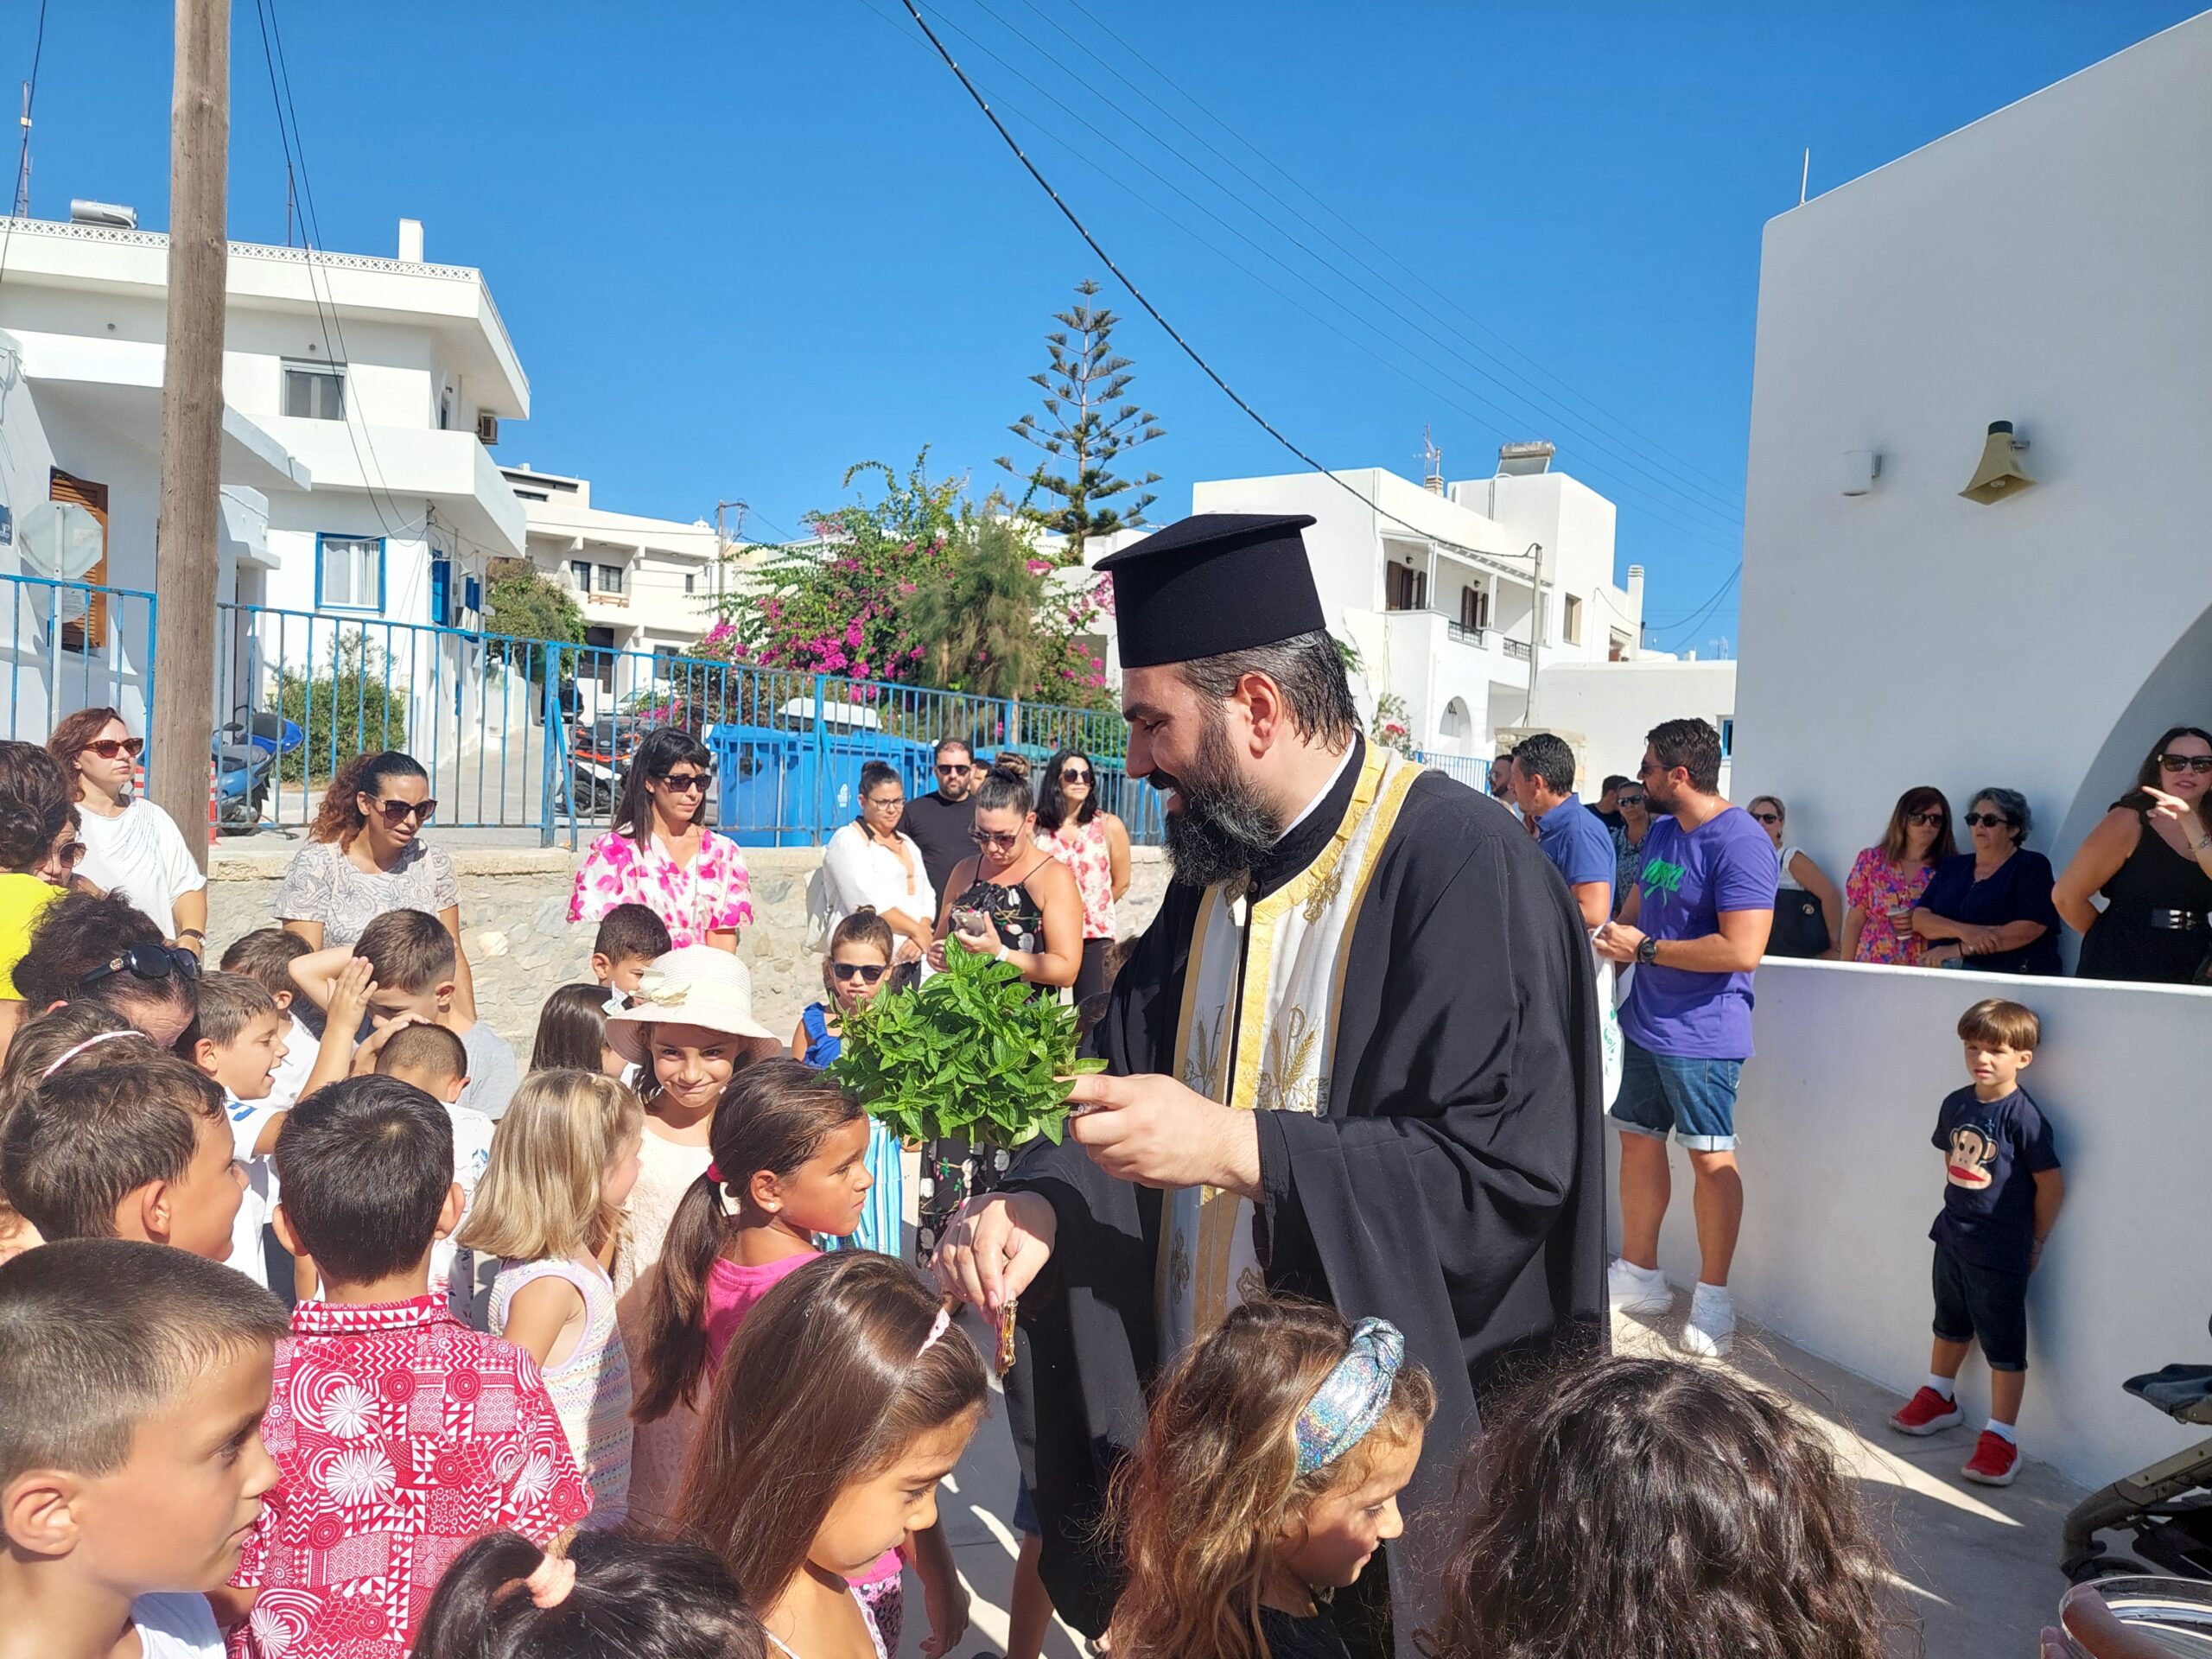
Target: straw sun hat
{"type": "Point", "coordinates": [698, 986]}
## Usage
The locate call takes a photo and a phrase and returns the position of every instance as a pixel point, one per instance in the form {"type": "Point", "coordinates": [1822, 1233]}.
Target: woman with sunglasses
{"type": "Point", "coordinates": [1011, 901]}
{"type": "Point", "coordinates": [660, 853]}
{"type": "Point", "coordinates": [2144, 858]}
{"type": "Point", "coordinates": [1990, 909]}
{"type": "Point", "coordinates": [872, 863]}
{"type": "Point", "coordinates": [365, 855]}
{"type": "Point", "coordinates": [1799, 875]}
{"type": "Point", "coordinates": [1886, 881]}
{"type": "Point", "coordinates": [1628, 840]}
{"type": "Point", "coordinates": [37, 832]}
{"type": "Point", "coordinates": [131, 846]}
{"type": "Point", "coordinates": [1095, 846]}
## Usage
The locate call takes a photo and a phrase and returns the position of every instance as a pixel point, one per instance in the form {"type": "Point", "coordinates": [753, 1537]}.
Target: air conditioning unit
{"type": "Point", "coordinates": [487, 429]}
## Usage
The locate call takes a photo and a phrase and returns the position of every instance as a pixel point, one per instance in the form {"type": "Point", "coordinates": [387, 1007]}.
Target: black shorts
{"type": "Point", "coordinates": [1974, 1301]}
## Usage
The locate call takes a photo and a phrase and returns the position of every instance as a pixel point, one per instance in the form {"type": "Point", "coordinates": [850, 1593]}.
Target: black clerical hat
{"type": "Point", "coordinates": [1213, 582]}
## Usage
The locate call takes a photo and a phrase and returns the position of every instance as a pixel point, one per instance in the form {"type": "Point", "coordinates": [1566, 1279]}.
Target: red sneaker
{"type": "Point", "coordinates": [1926, 1413]}
{"type": "Point", "coordinates": [1995, 1461]}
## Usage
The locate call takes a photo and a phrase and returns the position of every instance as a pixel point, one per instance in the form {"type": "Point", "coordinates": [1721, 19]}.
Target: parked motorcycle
{"type": "Point", "coordinates": [2167, 1506]}
{"type": "Point", "coordinates": [246, 753]}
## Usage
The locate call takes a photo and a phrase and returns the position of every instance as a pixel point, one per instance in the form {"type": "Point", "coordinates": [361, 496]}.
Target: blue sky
{"type": "Point", "coordinates": [742, 247]}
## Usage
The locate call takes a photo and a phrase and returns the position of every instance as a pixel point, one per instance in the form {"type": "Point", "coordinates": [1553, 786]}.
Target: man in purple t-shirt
{"type": "Point", "coordinates": [1694, 926]}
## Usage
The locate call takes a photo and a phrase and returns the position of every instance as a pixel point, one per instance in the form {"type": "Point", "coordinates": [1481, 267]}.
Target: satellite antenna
{"type": "Point", "coordinates": [61, 541]}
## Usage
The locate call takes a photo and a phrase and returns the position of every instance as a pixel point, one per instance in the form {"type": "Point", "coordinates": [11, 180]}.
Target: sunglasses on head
{"type": "Point", "coordinates": [683, 782]}
{"type": "Point", "coordinates": [2185, 763]}
{"type": "Point", "coordinates": [398, 813]}
{"type": "Point", "coordinates": [868, 972]}
{"type": "Point", "coordinates": [147, 962]}
{"type": "Point", "coordinates": [1926, 820]}
{"type": "Point", "coordinates": [109, 748]}
{"type": "Point", "coordinates": [1980, 820]}
{"type": "Point", "coordinates": [1074, 774]}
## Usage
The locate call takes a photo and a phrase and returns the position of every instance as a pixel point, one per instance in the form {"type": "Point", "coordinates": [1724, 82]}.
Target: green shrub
{"type": "Point", "coordinates": [352, 708]}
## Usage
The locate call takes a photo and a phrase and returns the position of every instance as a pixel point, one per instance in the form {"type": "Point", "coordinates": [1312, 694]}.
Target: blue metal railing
{"type": "Point", "coordinates": [1471, 770]}
{"type": "Point", "coordinates": [72, 645]}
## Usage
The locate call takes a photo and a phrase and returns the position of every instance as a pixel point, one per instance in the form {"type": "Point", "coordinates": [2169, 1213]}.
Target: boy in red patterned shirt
{"type": "Point", "coordinates": [401, 1434]}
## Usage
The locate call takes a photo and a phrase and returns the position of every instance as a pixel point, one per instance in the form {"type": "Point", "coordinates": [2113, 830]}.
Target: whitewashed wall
{"type": "Point", "coordinates": [1840, 1184]}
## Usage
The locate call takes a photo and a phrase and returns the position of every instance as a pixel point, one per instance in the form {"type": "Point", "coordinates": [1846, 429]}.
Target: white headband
{"type": "Point", "coordinates": [69, 1054]}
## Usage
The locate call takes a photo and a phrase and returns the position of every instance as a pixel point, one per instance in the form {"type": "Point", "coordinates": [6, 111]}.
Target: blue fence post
{"type": "Point", "coordinates": [555, 743]}
{"type": "Point", "coordinates": [821, 762]}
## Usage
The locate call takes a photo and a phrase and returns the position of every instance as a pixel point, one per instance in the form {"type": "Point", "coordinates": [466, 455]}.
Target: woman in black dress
{"type": "Point", "coordinates": [2144, 858]}
{"type": "Point", "coordinates": [1029, 900]}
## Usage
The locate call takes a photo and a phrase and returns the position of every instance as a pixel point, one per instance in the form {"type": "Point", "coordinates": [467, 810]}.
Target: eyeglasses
{"type": "Point", "coordinates": [147, 962]}
{"type": "Point", "coordinates": [109, 748]}
{"type": "Point", "coordinates": [884, 803]}
{"type": "Point", "coordinates": [868, 972]}
{"type": "Point", "coordinates": [1075, 775]}
{"type": "Point", "coordinates": [1926, 820]}
{"type": "Point", "coordinates": [1980, 820]}
{"type": "Point", "coordinates": [1768, 817]}
{"type": "Point", "coordinates": [985, 838]}
{"type": "Point", "coordinates": [1630, 800]}
{"type": "Point", "coordinates": [2185, 762]}
{"type": "Point", "coordinates": [398, 813]}
{"type": "Point", "coordinates": [683, 782]}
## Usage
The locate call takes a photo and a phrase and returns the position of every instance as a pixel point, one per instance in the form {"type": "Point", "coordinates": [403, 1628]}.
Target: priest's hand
{"type": "Point", "coordinates": [1155, 1131]}
{"type": "Point", "coordinates": [995, 1246]}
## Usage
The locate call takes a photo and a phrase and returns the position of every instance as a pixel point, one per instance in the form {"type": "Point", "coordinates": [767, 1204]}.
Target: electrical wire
{"type": "Point", "coordinates": [1153, 311]}
{"type": "Point", "coordinates": [1703, 612]}
{"type": "Point", "coordinates": [22, 160]}
{"type": "Point", "coordinates": [1726, 491]}
{"type": "Point", "coordinates": [1729, 512]}
{"type": "Point", "coordinates": [1662, 511]}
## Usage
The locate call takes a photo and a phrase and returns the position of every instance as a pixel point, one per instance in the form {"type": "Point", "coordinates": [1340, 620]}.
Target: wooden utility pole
{"type": "Point", "coordinates": [182, 719]}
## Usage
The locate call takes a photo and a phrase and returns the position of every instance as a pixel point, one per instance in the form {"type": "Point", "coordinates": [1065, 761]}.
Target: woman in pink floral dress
{"type": "Point", "coordinates": [1887, 880]}
{"type": "Point", "coordinates": [660, 853]}
{"type": "Point", "coordinates": [1094, 844]}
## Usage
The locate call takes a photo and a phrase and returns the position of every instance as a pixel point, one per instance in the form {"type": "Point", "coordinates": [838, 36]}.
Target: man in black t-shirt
{"type": "Point", "coordinates": [942, 822]}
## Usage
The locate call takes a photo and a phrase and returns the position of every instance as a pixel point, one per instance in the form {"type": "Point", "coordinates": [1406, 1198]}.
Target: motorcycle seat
{"type": "Point", "coordinates": [2182, 1392]}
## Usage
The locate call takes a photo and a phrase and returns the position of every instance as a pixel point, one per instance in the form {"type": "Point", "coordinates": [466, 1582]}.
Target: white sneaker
{"type": "Point", "coordinates": [1710, 1332]}
{"type": "Point", "coordinates": [1629, 1289]}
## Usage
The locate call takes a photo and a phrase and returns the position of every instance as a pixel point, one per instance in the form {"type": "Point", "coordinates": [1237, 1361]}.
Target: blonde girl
{"type": "Point", "coordinates": [689, 1028]}
{"type": "Point", "coordinates": [847, 1396]}
{"type": "Point", "coordinates": [550, 1207]}
{"type": "Point", "coordinates": [1268, 1478]}
{"type": "Point", "coordinates": [857, 969]}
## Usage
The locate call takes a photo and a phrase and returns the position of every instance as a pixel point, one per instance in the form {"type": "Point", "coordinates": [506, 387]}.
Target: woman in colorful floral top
{"type": "Point", "coordinates": [660, 853]}
{"type": "Point", "coordinates": [1886, 882]}
{"type": "Point", "coordinates": [1094, 844]}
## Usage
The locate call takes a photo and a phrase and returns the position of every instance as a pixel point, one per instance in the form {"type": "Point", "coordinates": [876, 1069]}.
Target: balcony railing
{"type": "Point", "coordinates": [1463, 634]}
{"type": "Point", "coordinates": [1517, 650]}
{"type": "Point", "coordinates": [620, 602]}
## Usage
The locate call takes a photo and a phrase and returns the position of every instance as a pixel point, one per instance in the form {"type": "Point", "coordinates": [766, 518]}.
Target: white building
{"type": "Point", "coordinates": [1467, 602]}
{"type": "Point", "coordinates": [2045, 266]}
{"type": "Point", "coordinates": [644, 585]}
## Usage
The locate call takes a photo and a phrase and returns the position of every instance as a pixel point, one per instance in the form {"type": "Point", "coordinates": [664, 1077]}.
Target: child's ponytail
{"type": "Point", "coordinates": [629, 1596]}
{"type": "Point", "coordinates": [772, 1116]}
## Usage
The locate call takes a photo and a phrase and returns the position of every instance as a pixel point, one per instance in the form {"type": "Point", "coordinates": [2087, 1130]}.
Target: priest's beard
{"type": "Point", "coordinates": [1226, 826]}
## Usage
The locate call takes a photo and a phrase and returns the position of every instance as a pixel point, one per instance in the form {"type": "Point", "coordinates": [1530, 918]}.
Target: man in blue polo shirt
{"type": "Point", "coordinates": [1570, 835]}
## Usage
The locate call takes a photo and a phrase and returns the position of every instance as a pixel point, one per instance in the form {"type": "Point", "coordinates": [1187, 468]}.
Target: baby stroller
{"type": "Point", "coordinates": [2167, 1506]}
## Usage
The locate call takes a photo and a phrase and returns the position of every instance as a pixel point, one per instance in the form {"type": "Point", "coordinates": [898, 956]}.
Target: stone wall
{"type": "Point", "coordinates": [514, 907]}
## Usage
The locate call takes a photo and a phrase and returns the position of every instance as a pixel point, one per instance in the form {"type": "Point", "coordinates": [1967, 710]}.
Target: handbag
{"type": "Point", "coordinates": [1800, 927]}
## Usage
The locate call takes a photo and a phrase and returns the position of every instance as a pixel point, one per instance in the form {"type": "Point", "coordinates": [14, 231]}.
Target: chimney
{"type": "Point", "coordinates": [411, 241]}
{"type": "Point", "coordinates": [1636, 592]}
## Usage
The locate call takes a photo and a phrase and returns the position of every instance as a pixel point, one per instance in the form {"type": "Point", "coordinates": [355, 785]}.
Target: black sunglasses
{"type": "Point", "coordinates": [147, 962]}
{"type": "Point", "coordinates": [869, 972]}
{"type": "Point", "coordinates": [398, 813]}
{"type": "Point", "coordinates": [950, 771]}
{"type": "Point", "coordinates": [683, 782]}
{"type": "Point", "coordinates": [1075, 775]}
{"type": "Point", "coordinates": [1990, 820]}
{"type": "Point", "coordinates": [1630, 800]}
{"type": "Point", "coordinates": [2185, 762]}
{"type": "Point", "coordinates": [1768, 817]}
{"type": "Point", "coordinates": [1926, 820]}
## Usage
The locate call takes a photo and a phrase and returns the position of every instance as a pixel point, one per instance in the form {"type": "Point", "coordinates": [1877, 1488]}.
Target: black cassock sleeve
{"type": "Point", "coordinates": [1456, 1186]}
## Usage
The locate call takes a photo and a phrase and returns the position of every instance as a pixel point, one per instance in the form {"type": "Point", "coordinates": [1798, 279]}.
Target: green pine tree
{"type": "Point", "coordinates": [1086, 427]}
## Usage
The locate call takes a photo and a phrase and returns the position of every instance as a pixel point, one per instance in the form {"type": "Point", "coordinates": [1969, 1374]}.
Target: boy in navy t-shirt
{"type": "Point", "coordinates": [2002, 1193]}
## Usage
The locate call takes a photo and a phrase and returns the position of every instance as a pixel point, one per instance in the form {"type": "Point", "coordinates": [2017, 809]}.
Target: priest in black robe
{"type": "Point", "coordinates": [1400, 1117]}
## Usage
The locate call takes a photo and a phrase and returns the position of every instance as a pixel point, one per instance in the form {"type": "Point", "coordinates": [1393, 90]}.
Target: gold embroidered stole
{"type": "Point", "coordinates": [1260, 997]}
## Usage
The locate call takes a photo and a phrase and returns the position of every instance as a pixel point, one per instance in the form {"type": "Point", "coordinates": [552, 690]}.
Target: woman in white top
{"type": "Point", "coordinates": [131, 846]}
{"type": "Point", "coordinates": [1798, 870]}
{"type": "Point", "coordinates": [871, 862]}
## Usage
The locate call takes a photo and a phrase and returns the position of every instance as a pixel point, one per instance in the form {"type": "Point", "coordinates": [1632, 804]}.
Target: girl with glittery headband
{"type": "Point", "coordinates": [847, 1396]}
{"type": "Point", "coordinates": [1268, 1478]}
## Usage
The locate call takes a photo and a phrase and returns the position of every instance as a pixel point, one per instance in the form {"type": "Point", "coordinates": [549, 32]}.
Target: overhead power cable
{"type": "Point", "coordinates": [1169, 328]}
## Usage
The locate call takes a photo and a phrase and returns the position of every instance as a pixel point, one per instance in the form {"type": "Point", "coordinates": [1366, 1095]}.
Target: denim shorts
{"type": "Point", "coordinates": [1974, 1301]}
{"type": "Point", "coordinates": [1693, 1100]}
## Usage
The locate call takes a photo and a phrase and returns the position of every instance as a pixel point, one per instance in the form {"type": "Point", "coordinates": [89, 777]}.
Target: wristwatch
{"type": "Point", "coordinates": [1646, 950]}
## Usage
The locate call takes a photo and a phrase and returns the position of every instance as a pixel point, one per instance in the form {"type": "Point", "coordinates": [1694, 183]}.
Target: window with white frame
{"type": "Point", "coordinates": [316, 391]}
{"type": "Point", "coordinates": [349, 573]}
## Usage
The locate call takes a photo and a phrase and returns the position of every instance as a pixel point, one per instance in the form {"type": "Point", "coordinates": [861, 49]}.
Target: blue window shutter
{"type": "Point", "coordinates": [473, 594]}
{"type": "Point", "coordinates": [441, 592]}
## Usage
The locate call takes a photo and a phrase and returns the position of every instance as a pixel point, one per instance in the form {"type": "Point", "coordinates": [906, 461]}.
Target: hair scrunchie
{"type": "Point", "coordinates": [1351, 1398]}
